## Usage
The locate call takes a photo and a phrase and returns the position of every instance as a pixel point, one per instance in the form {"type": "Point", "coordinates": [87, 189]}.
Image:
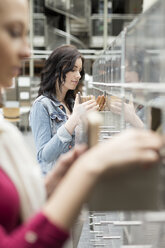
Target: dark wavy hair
{"type": "Point", "coordinates": [59, 63]}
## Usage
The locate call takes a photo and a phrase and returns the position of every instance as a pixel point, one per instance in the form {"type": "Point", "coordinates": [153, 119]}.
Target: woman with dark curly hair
{"type": "Point", "coordinates": [54, 114]}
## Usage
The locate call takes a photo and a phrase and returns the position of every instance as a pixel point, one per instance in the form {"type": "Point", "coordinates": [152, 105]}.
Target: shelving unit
{"type": "Point", "coordinates": [131, 69]}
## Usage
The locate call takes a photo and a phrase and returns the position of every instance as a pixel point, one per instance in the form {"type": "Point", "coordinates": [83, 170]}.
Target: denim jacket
{"type": "Point", "coordinates": [47, 119]}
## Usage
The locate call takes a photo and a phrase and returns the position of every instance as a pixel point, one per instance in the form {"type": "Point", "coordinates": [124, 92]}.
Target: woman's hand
{"type": "Point", "coordinates": [129, 110]}
{"type": "Point", "coordinates": [130, 115]}
{"type": "Point", "coordinates": [78, 111]}
{"type": "Point", "coordinates": [117, 106]}
{"type": "Point", "coordinates": [132, 147]}
{"type": "Point", "coordinates": [90, 105]}
{"type": "Point", "coordinates": [61, 168]}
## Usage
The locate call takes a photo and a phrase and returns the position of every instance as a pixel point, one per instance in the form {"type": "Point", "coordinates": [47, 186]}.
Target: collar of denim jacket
{"type": "Point", "coordinates": [57, 102]}
{"type": "Point", "coordinates": [54, 99]}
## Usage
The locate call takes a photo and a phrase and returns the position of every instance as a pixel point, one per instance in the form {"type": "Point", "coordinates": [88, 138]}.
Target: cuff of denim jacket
{"type": "Point", "coordinates": [63, 134]}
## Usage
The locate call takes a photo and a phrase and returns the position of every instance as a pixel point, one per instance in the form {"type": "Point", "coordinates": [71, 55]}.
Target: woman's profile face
{"type": "Point", "coordinates": [13, 38]}
{"type": "Point", "coordinates": [73, 77]}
